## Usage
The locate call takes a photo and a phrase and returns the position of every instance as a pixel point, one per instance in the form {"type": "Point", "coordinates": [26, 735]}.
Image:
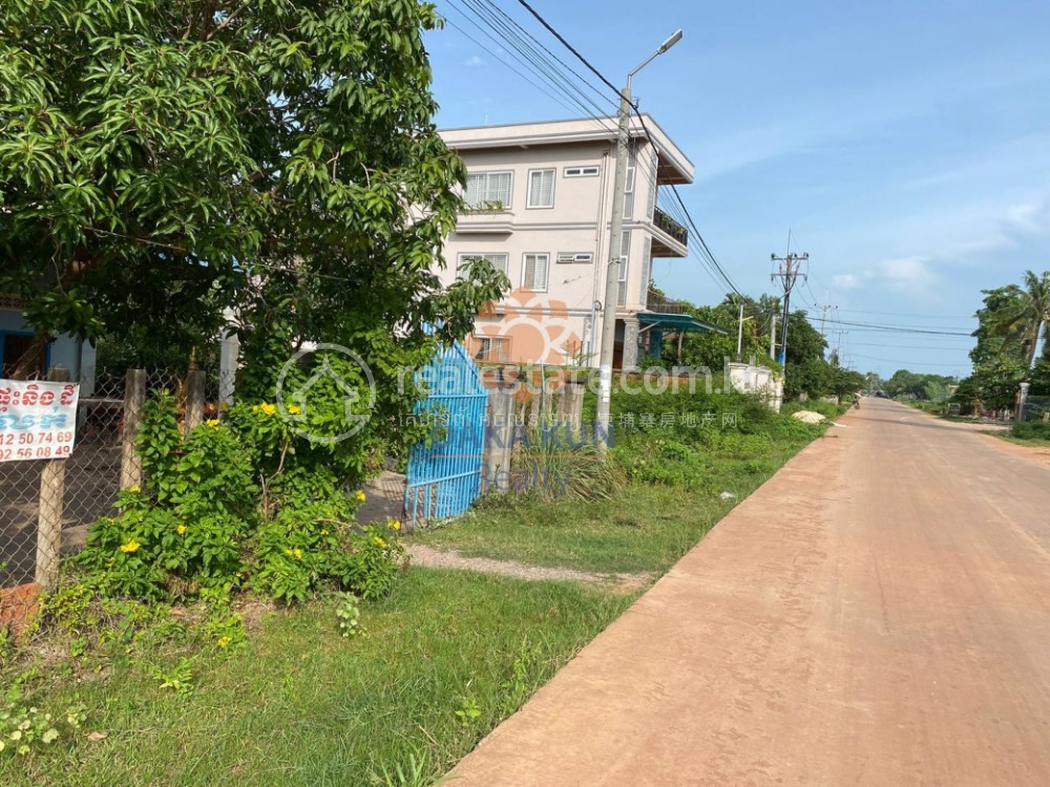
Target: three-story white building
{"type": "Point", "coordinates": [540, 208]}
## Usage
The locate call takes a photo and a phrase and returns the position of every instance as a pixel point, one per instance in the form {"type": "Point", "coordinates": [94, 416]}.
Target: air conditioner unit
{"type": "Point", "coordinates": [569, 257]}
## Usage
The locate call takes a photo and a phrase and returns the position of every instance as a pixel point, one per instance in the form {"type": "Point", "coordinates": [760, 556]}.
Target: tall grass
{"type": "Point", "coordinates": [558, 462]}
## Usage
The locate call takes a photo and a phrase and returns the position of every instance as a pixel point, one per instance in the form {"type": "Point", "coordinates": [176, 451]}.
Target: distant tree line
{"type": "Point", "coordinates": [806, 370]}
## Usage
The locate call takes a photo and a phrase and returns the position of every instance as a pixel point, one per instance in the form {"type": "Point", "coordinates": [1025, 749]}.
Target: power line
{"type": "Point", "coordinates": [901, 328]}
{"type": "Point", "coordinates": [498, 33]}
{"type": "Point", "coordinates": [569, 46]}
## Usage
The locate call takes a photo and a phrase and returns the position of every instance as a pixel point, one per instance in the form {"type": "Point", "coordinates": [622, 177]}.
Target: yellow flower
{"type": "Point", "coordinates": [224, 642]}
{"type": "Point", "coordinates": [324, 532]}
{"type": "Point", "coordinates": [212, 422]}
{"type": "Point", "coordinates": [298, 553]}
{"type": "Point", "coordinates": [181, 530]}
{"type": "Point", "coordinates": [268, 409]}
{"type": "Point", "coordinates": [130, 546]}
{"type": "Point", "coordinates": [379, 542]}
{"type": "Point", "coordinates": [255, 408]}
{"type": "Point", "coordinates": [395, 525]}
{"type": "Point", "coordinates": [294, 409]}
{"type": "Point", "coordinates": [360, 496]}
{"type": "Point", "coordinates": [135, 489]}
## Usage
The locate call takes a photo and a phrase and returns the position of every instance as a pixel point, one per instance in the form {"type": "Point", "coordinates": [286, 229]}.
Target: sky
{"type": "Point", "coordinates": [904, 145]}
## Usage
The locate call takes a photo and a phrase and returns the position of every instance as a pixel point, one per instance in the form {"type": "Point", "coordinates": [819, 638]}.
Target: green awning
{"type": "Point", "coordinates": [684, 323]}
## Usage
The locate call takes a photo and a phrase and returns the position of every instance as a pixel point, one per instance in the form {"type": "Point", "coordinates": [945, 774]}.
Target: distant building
{"type": "Point", "coordinates": [16, 337]}
{"type": "Point", "coordinates": [540, 206]}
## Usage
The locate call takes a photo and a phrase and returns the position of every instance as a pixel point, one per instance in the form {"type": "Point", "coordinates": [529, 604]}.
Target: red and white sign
{"type": "Point", "coordinates": [38, 419]}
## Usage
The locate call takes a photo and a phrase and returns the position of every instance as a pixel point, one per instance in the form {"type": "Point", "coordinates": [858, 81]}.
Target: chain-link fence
{"type": "Point", "coordinates": [1036, 408]}
{"type": "Point", "coordinates": [46, 505]}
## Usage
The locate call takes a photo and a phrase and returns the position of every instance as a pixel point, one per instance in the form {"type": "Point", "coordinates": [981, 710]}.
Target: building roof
{"type": "Point", "coordinates": [675, 166]}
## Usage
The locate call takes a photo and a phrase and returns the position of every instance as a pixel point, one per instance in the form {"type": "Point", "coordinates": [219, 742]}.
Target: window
{"type": "Point", "coordinates": [534, 275]}
{"type": "Point", "coordinates": [491, 349]}
{"type": "Point", "coordinates": [621, 274]}
{"type": "Point", "coordinates": [541, 188]}
{"type": "Point", "coordinates": [489, 189]}
{"type": "Point", "coordinates": [647, 269]}
{"type": "Point", "coordinates": [628, 194]}
{"type": "Point", "coordinates": [499, 262]}
{"type": "Point", "coordinates": [654, 169]}
{"type": "Point", "coordinates": [582, 172]}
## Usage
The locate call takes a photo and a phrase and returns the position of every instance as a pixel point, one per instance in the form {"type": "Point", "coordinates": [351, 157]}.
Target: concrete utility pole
{"type": "Point", "coordinates": [612, 282]}
{"type": "Point", "coordinates": [740, 333]}
{"type": "Point", "coordinates": [788, 275]}
{"type": "Point", "coordinates": [773, 336]}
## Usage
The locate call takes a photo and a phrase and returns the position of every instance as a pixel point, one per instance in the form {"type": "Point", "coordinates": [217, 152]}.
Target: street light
{"type": "Point", "coordinates": [605, 358]}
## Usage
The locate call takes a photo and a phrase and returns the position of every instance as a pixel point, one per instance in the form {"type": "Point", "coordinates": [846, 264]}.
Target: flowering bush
{"type": "Point", "coordinates": [242, 502]}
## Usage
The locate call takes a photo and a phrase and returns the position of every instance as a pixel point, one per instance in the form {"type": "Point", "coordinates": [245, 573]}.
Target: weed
{"type": "Point", "coordinates": [348, 612]}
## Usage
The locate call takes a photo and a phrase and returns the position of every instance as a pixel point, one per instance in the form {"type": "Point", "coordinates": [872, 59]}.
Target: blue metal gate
{"type": "Point", "coordinates": [445, 478]}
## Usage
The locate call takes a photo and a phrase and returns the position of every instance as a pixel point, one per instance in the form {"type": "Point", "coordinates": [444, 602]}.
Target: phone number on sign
{"type": "Point", "coordinates": [43, 452]}
{"type": "Point", "coordinates": [35, 438]}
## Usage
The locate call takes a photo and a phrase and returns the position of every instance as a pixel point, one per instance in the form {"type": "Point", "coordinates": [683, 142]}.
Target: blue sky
{"type": "Point", "coordinates": [906, 145]}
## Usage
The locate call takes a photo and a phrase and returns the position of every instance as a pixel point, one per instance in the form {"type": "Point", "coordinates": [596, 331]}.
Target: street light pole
{"type": "Point", "coordinates": [605, 358]}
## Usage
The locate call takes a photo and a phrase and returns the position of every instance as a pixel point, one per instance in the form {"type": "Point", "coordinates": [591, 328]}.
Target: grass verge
{"type": "Point", "coordinates": [444, 659]}
{"type": "Point", "coordinates": [643, 527]}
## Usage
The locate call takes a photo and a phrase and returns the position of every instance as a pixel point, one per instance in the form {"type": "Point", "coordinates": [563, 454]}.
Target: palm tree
{"type": "Point", "coordinates": [1023, 321]}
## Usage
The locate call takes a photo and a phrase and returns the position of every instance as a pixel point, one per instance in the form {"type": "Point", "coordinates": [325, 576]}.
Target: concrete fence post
{"type": "Point", "coordinates": [194, 400]}
{"type": "Point", "coordinates": [134, 399]}
{"type": "Point", "coordinates": [499, 442]}
{"type": "Point", "coordinates": [49, 515]}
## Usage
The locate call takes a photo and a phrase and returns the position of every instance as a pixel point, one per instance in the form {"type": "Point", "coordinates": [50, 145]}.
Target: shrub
{"type": "Point", "coordinates": [1031, 430]}
{"type": "Point", "coordinates": [246, 502]}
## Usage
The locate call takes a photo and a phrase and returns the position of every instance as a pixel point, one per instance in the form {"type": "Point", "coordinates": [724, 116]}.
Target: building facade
{"type": "Point", "coordinates": [16, 338]}
{"type": "Point", "coordinates": [539, 199]}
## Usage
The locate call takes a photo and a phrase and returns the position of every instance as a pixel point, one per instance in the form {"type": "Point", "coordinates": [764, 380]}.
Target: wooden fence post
{"type": "Point", "coordinates": [134, 399]}
{"type": "Point", "coordinates": [194, 400]}
{"type": "Point", "coordinates": [49, 515]}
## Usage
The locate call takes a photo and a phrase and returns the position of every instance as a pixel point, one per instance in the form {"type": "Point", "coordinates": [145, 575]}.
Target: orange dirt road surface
{"type": "Point", "coordinates": [878, 613]}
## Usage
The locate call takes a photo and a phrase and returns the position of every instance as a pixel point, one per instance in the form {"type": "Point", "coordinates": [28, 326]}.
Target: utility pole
{"type": "Point", "coordinates": [773, 336]}
{"type": "Point", "coordinates": [788, 274]}
{"type": "Point", "coordinates": [612, 280]}
{"type": "Point", "coordinates": [740, 334]}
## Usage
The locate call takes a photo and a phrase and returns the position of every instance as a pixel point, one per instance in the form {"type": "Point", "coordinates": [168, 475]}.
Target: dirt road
{"type": "Point", "coordinates": [877, 614]}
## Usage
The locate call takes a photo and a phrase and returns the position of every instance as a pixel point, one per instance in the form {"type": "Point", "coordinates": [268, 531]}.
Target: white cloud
{"type": "Point", "coordinates": [907, 273]}
{"type": "Point", "coordinates": [1029, 217]}
{"type": "Point", "coordinates": [473, 62]}
{"type": "Point", "coordinates": [844, 282]}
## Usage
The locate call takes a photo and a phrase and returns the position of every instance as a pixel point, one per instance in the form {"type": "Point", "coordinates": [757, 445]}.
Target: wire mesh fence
{"type": "Point", "coordinates": [1036, 408]}
{"type": "Point", "coordinates": [47, 505]}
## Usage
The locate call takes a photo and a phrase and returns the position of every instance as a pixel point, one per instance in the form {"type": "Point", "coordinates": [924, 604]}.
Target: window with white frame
{"type": "Point", "coordinates": [582, 172]}
{"type": "Point", "coordinates": [628, 194]}
{"type": "Point", "coordinates": [647, 269]}
{"type": "Point", "coordinates": [621, 273]}
{"type": "Point", "coordinates": [654, 169]}
{"type": "Point", "coordinates": [534, 272]}
{"type": "Point", "coordinates": [489, 189]}
{"type": "Point", "coordinates": [499, 262]}
{"type": "Point", "coordinates": [541, 188]}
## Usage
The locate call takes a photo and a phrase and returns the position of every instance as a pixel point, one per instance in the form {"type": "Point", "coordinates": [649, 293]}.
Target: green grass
{"type": "Point", "coordinates": [300, 705]}
{"type": "Point", "coordinates": [643, 528]}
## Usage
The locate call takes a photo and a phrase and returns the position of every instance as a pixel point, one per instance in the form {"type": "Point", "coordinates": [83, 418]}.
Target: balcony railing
{"type": "Point", "coordinates": [665, 305]}
{"type": "Point", "coordinates": [671, 227]}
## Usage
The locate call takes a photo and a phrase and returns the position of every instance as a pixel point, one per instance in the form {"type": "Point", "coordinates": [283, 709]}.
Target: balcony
{"type": "Point", "coordinates": [488, 220]}
{"type": "Point", "coordinates": [671, 239]}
